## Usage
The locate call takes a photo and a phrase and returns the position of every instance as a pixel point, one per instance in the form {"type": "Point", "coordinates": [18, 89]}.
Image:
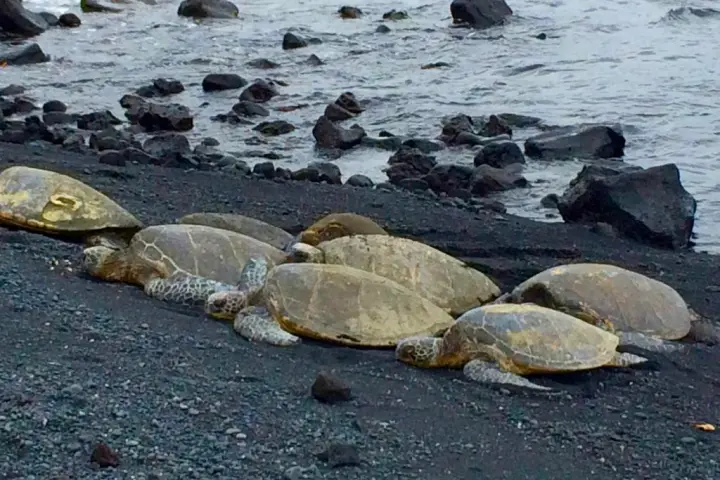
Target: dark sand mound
{"type": "Point", "coordinates": [181, 396]}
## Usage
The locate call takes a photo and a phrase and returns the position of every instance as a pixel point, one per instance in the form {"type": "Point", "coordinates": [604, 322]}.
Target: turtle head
{"type": "Point", "coordinates": [304, 253]}
{"type": "Point", "coordinates": [310, 236]}
{"type": "Point", "coordinates": [329, 231]}
{"type": "Point", "coordinates": [98, 259]}
{"type": "Point", "coordinates": [420, 351]}
{"type": "Point", "coordinates": [226, 305]}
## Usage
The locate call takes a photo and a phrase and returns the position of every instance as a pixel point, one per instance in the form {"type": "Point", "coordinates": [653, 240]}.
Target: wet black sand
{"type": "Point", "coordinates": [181, 396]}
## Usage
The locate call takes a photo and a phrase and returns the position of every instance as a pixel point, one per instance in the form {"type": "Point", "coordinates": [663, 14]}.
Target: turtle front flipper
{"type": "Point", "coordinates": [257, 325]}
{"type": "Point", "coordinates": [647, 342]}
{"type": "Point", "coordinates": [253, 274]}
{"type": "Point", "coordinates": [184, 289]}
{"type": "Point", "coordinates": [485, 372]}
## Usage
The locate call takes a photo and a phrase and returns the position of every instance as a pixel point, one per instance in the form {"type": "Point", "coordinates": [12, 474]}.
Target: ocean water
{"type": "Point", "coordinates": [650, 65]}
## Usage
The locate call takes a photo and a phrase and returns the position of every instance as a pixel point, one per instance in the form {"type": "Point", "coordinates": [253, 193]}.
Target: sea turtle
{"type": "Point", "coordinates": [444, 280]}
{"type": "Point", "coordinates": [55, 204]}
{"type": "Point", "coordinates": [334, 303]}
{"type": "Point", "coordinates": [642, 311]}
{"type": "Point", "coordinates": [252, 227]}
{"type": "Point", "coordinates": [335, 225]}
{"type": "Point", "coordinates": [179, 262]}
{"type": "Point", "coordinates": [500, 343]}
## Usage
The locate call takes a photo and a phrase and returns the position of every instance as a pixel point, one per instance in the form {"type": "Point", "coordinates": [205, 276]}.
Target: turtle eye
{"type": "Point", "coordinates": [218, 302]}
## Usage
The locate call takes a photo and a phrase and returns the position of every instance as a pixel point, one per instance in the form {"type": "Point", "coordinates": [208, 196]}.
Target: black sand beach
{"type": "Point", "coordinates": [181, 396]}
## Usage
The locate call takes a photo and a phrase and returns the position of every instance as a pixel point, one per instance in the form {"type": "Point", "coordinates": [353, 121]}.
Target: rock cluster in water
{"type": "Point", "coordinates": [650, 206]}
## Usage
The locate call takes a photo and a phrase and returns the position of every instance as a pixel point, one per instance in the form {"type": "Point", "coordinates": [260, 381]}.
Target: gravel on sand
{"type": "Point", "coordinates": [87, 365]}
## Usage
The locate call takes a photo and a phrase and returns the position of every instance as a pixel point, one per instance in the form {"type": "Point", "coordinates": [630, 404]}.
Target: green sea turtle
{"type": "Point", "coordinates": [333, 303]}
{"type": "Point", "coordinates": [48, 202]}
{"type": "Point", "coordinates": [642, 311]}
{"type": "Point", "coordinates": [180, 263]}
{"type": "Point", "coordinates": [335, 225]}
{"type": "Point", "coordinates": [503, 342]}
{"type": "Point", "coordinates": [252, 227]}
{"type": "Point", "coordinates": [444, 280]}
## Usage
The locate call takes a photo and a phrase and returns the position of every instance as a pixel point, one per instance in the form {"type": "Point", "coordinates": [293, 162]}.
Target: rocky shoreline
{"type": "Point", "coordinates": [649, 206]}
{"type": "Point", "coordinates": [176, 395]}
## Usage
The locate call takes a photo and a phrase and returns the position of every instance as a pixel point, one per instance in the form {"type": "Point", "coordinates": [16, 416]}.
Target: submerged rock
{"type": "Point", "coordinates": [161, 87]}
{"type": "Point", "coordinates": [274, 128]}
{"type": "Point", "coordinates": [349, 12]}
{"type": "Point", "coordinates": [249, 109]}
{"type": "Point", "coordinates": [260, 91]}
{"type": "Point", "coordinates": [597, 141]}
{"type": "Point", "coordinates": [92, 6]}
{"type": "Point", "coordinates": [292, 41]}
{"type": "Point", "coordinates": [208, 9]}
{"type": "Point", "coordinates": [22, 55]}
{"type": "Point", "coordinates": [222, 81]}
{"type": "Point", "coordinates": [650, 206]}
{"type": "Point", "coordinates": [395, 15]}
{"type": "Point", "coordinates": [480, 13]}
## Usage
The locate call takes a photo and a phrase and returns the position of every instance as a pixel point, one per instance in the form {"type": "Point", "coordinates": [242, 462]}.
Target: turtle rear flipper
{"type": "Point", "coordinates": [256, 324]}
{"type": "Point", "coordinates": [647, 342]}
{"type": "Point", "coordinates": [485, 372]}
{"type": "Point", "coordinates": [703, 330]}
{"type": "Point", "coordinates": [184, 289]}
{"type": "Point", "coordinates": [625, 360]}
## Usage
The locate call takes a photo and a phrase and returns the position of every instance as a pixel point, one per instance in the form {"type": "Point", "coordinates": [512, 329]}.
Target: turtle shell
{"type": "Point", "coordinates": [252, 227]}
{"type": "Point", "coordinates": [444, 280]}
{"type": "Point", "coordinates": [607, 294]}
{"type": "Point", "coordinates": [534, 338]}
{"type": "Point", "coordinates": [199, 250]}
{"type": "Point", "coordinates": [348, 306]}
{"type": "Point", "coordinates": [337, 225]}
{"type": "Point", "coordinates": [50, 202]}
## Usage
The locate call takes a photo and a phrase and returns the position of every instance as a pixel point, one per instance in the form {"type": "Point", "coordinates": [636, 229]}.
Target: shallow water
{"type": "Point", "coordinates": [644, 64]}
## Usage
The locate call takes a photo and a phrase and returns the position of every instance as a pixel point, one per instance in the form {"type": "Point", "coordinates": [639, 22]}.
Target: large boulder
{"type": "Point", "coordinates": [598, 141]}
{"type": "Point", "coordinates": [208, 9]}
{"type": "Point", "coordinates": [650, 206]}
{"type": "Point", "coordinates": [16, 19]}
{"type": "Point", "coordinates": [480, 13]}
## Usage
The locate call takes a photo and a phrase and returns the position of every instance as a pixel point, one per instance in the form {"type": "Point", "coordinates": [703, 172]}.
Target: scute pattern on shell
{"type": "Point", "coordinates": [348, 306]}
{"type": "Point", "coordinates": [48, 201]}
{"type": "Point", "coordinates": [609, 295]}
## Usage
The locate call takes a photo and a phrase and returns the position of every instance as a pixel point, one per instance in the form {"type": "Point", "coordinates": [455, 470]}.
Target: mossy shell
{"type": "Point", "coordinates": [252, 227]}
{"type": "Point", "coordinates": [444, 280]}
{"type": "Point", "coordinates": [348, 306]}
{"type": "Point", "coordinates": [608, 295]}
{"type": "Point", "coordinates": [53, 203]}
